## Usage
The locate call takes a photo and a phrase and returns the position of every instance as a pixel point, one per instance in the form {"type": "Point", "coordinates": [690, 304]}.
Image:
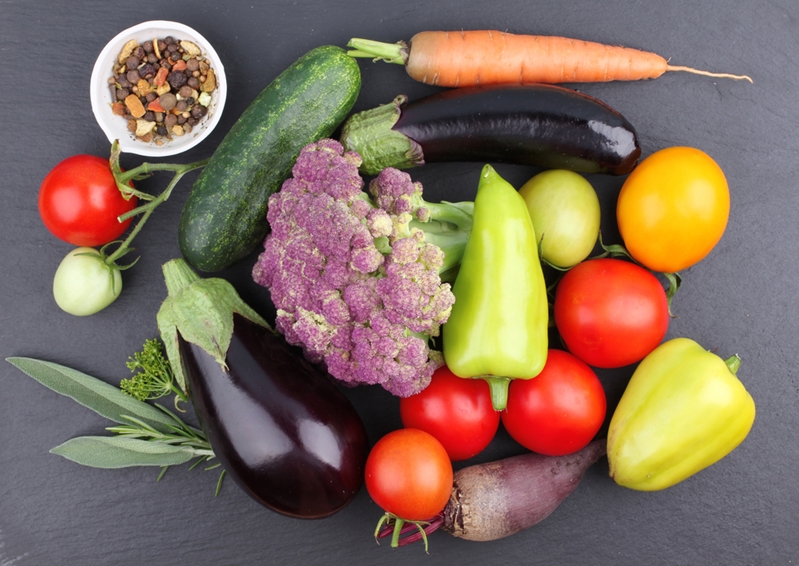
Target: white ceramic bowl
{"type": "Point", "coordinates": [116, 127]}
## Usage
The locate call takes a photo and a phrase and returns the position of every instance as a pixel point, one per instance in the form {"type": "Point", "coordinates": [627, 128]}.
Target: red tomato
{"type": "Point", "coordinates": [409, 474]}
{"type": "Point", "coordinates": [79, 202]}
{"type": "Point", "coordinates": [559, 411]}
{"type": "Point", "coordinates": [458, 412]}
{"type": "Point", "coordinates": [610, 312]}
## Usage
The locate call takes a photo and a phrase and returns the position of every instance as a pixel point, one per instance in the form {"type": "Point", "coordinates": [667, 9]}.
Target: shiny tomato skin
{"type": "Point", "coordinates": [456, 411]}
{"type": "Point", "coordinates": [84, 283]}
{"type": "Point", "coordinates": [559, 411]}
{"type": "Point", "coordinates": [409, 474]}
{"type": "Point", "coordinates": [610, 312]}
{"type": "Point", "coordinates": [564, 208]}
{"type": "Point", "coordinates": [79, 202]}
{"type": "Point", "coordinates": [673, 208]}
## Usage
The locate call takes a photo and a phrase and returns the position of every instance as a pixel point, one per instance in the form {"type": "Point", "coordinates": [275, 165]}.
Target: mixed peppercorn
{"type": "Point", "coordinates": [162, 88]}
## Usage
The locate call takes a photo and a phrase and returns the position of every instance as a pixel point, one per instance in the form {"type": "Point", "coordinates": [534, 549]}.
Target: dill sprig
{"type": "Point", "coordinates": [153, 376]}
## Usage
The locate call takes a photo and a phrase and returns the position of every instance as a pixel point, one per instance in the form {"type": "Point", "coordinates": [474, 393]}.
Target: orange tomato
{"type": "Point", "coordinates": [673, 208]}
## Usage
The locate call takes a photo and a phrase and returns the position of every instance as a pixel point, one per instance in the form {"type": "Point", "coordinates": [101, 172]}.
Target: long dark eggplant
{"type": "Point", "coordinates": [279, 426]}
{"type": "Point", "coordinates": [543, 125]}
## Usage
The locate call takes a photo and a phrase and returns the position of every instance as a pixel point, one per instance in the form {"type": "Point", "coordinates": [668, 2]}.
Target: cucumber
{"type": "Point", "coordinates": [224, 217]}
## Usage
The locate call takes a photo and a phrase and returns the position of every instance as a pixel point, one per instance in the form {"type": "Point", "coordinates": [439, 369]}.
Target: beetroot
{"type": "Point", "coordinates": [497, 499]}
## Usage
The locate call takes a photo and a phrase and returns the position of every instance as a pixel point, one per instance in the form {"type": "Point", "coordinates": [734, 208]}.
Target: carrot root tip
{"type": "Point", "coordinates": [708, 73]}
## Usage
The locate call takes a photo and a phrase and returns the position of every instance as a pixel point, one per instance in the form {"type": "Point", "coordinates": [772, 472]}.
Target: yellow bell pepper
{"type": "Point", "coordinates": [683, 410]}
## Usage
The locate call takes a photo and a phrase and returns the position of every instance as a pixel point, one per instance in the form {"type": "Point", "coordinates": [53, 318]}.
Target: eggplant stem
{"type": "Point", "coordinates": [178, 276]}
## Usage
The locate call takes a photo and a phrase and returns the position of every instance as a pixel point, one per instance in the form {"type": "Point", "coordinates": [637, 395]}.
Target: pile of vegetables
{"type": "Point", "coordinates": [447, 306]}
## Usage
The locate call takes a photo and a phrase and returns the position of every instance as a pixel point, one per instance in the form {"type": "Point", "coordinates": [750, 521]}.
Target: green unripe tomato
{"type": "Point", "coordinates": [84, 283]}
{"type": "Point", "coordinates": [564, 208]}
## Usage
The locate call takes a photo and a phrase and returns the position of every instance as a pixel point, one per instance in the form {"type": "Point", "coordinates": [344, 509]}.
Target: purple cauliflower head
{"type": "Point", "coordinates": [355, 293]}
{"type": "Point", "coordinates": [394, 191]}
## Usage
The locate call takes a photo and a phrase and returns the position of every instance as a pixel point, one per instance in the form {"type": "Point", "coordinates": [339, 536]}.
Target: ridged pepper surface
{"type": "Point", "coordinates": [683, 410]}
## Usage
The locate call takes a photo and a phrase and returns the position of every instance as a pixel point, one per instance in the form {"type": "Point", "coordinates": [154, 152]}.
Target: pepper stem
{"type": "Point", "coordinates": [733, 363]}
{"type": "Point", "coordinates": [499, 390]}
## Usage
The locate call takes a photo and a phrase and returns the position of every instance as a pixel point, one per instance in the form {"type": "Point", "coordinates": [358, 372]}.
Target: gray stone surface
{"type": "Point", "coordinates": [743, 510]}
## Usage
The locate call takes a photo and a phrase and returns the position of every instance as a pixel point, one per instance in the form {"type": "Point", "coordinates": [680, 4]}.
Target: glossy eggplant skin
{"type": "Point", "coordinates": [543, 125]}
{"type": "Point", "coordinates": [279, 426]}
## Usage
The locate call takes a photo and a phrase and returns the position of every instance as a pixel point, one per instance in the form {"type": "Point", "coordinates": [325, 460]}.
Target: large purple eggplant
{"type": "Point", "coordinates": [543, 125]}
{"type": "Point", "coordinates": [279, 426]}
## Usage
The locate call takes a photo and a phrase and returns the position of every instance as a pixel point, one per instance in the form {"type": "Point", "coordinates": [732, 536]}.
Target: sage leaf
{"type": "Point", "coordinates": [102, 398]}
{"type": "Point", "coordinates": [112, 452]}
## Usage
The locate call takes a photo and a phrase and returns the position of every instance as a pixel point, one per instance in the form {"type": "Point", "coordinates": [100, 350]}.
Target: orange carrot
{"type": "Point", "coordinates": [482, 57]}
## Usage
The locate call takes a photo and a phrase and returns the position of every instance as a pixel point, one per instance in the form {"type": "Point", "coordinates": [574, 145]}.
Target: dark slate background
{"type": "Point", "coordinates": [743, 510]}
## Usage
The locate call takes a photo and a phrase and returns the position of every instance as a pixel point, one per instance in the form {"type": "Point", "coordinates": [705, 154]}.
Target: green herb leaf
{"type": "Point", "coordinates": [102, 398]}
{"type": "Point", "coordinates": [120, 452]}
{"type": "Point", "coordinates": [153, 377]}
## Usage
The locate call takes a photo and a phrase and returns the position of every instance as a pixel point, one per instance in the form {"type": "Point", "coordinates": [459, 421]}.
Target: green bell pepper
{"type": "Point", "coordinates": [498, 329]}
{"type": "Point", "coordinates": [683, 410]}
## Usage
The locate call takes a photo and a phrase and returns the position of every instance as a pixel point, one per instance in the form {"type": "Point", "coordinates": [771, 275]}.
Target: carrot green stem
{"type": "Point", "coordinates": [389, 52]}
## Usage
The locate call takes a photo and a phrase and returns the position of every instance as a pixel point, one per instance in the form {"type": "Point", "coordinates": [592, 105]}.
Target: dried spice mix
{"type": "Point", "coordinates": [162, 88]}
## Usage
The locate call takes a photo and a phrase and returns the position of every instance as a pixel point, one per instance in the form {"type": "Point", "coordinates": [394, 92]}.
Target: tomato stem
{"type": "Point", "coordinates": [618, 250]}
{"type": "Point", "coordinates": [143, 171]}
{"type": "Point", "coordinates": [396, 526]}
{"type": "Point", "coordinates": [395, 535]}
{"type": "Point", "coordinates": [675, 280]}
